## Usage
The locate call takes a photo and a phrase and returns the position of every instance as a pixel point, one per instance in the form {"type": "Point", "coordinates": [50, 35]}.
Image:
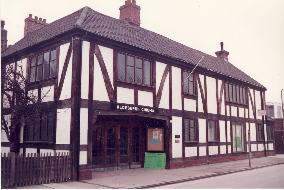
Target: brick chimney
{"type": "Point", "coordinates": [32, 24]}
{"type": "Point", "coordinates": [130, 12]}
{"type": "Point", "coordinates": [222, 54]}
{"type": "Point", "coordinates": [3, 36]}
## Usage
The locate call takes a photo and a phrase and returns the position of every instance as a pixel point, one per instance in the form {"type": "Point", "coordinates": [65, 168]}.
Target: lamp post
{"type": "Point", "coordinates": [282, 106]}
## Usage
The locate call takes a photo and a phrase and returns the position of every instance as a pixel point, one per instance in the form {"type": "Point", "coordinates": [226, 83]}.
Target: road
{"type": "Point", "coordinates": [268, 177]}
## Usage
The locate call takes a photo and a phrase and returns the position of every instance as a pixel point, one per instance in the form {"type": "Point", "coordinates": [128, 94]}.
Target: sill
{"type": "Point", "coordinates": [43, 83]}
{"type": "Point", "coordinates": [134, 85]}
{"type": "Point", "coordinates": [236, 104]}
{"type": "Point", "coordinates": [190, 96]}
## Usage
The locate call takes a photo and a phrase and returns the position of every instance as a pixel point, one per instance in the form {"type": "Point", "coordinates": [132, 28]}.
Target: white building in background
{"type": "Point", "coordinates": [274, 110]}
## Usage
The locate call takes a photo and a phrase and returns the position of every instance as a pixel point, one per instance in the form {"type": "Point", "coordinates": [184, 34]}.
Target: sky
{"type": "Point", "coordinates": [252, 30]}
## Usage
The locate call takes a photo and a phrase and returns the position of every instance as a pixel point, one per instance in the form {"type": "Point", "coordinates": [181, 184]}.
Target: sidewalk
{"type": "Point", "coordinates": [146, 178]}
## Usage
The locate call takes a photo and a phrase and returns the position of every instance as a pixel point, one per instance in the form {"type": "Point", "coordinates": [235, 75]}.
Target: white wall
{"type": "Point", "coordinates": [250, 104]}
{"type": "Point", "coordinates": [66, 88]}
{"type": "Point", "coordinates": [190, 151]}
{"type": "Point", "coordinates": [213, 150]}
{"type": "Point", "coordinates": [202, 151]}
{"type": "Point", "coordinates": [31, 151]}
{"type": "Point", "coordinates": [63, 126]}
{"type": "Point", "coordinates": [228, 131]}
{"type": "Point", "coordinates": [125, 95]}
{"type": "Point", "coordinates": [211, 95]}
{"type": "Point", "coordinates": [83, 126]}
{"type": "Point", "coordinates": [3, 133]}
{"type": "Point", "coordinates": [223, 149]}
{"type": "Point", "coordinates": [241, 112]}
{"type": "Point", "coordinates": [234, 111]}
{"type": "Point", "coordinates": [160, 68]}
{"type": "Point", "coordinates": [222, 131]}
{"type": "Point", "coordinates": [85, 70]}
{"type": "Point", "coordinates": [202, 130]}
{"type": "Point", "coordinates": [200, 104]}
{"type": "Point", "coordinates": [223, 97]}
{"type": "Point", "coordinates": [107, 54]}
{"type": "Point", "coordinates": [176, 130]}
{"type": "Point", "coordinates": [47, 151]}
{"type": "Point", "coordinates": [257, 103]}
{"type": "Point", "coordinates": [145, 98]}
{"type": "Point", "coordinates": [189, 105]}
{"type": "Point", "coordinates": [83, 157]}
{"type": "Point", "coordinates": [176, 88]}
{"type": "Point", "coordinates": [5, 150]}
{"type": "Point", "coordinates": [47, 94]}
{"type": "Point", "coordinates": [270, 146]}
{"type": "Point", "coordinates": [252, 132]}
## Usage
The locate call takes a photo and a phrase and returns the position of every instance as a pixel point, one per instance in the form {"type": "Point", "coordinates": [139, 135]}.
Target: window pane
{"type": "Point", "coordinates": [32, 74]}
{"type": "Point", "coordinates": [53, 55]}
{"type": "Point", "coordinates": [237, 94]}
{"type": "Point", "coordinates": [130, 61]}
{"type": "Point", "coordinates": [231, 92]}
{"type": "Point", "coordinates": [121, 67]}
{"type": "Point", "coordinates": [185, 83]}
{"type": "Point", "coordinates": [147, 73]}
{"type": "Point", "coordinates": [191, 87]}
{"type": "Point", "coordinates": [46, 65]}
{"type": "Point", "coordinates": [211, 131]}
{"type": "Point", "coordinates": [52, 69]}
{"type": "Point", "coordinates": [241, 95]}
{"type": "Point", "coordinates": [39, 73]}
{"type": "Point", "coordinates": [50, 126]}
{"type": "Point", "coordinates": [186, 130]}
{"type": "Point", "coordinates": [245, 96]}
{"type": "Point", "coordinates": [192, 131]}
{"type": "Point", "coordinates": [138, 75]}
{"type": "Point", "coordinates": [130, 74]}
{"type": "Point", "coordinates": [138, 63]}
{"type": "Point", "coordinates": [43, 132]}
{"type": "Point", "coordinates": [33, 62]}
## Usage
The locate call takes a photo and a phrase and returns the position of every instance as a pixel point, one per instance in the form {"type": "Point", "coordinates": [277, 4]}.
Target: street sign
{"type": "Point", "coordinates": [261, 112]}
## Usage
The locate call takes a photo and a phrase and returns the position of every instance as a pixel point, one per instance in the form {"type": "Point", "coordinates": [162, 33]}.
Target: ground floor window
{"type": "Point", "coordinates": [269, 131]}
{"type": "Point", "coordinates": [238, 137]}
{"type": "Point", "coordinates": [213, 132]}
{"type": "Point", "coordinates": [190, 130]}
{"type": "Point", "coordinates": [40, 128]}
{"type": "Point", "coordinates": [259, 132]}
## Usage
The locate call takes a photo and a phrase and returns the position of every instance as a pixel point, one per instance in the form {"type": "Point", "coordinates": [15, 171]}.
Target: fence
{"type": "Point", "coordinates": [32, 169]}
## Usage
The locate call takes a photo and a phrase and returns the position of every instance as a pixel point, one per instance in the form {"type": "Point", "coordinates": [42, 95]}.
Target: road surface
{"type": "Point", "coordinates": [268, 177]}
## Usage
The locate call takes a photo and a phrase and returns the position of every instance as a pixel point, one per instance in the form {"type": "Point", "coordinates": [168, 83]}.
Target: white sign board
{"type": "Point", "coordinates": [261, 112]}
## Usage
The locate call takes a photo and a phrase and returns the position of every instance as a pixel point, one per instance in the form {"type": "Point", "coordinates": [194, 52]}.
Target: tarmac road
{"type": "Point", "coordinates": [268, 177]}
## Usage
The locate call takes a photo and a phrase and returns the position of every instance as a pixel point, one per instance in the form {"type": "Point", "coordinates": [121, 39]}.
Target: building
{"type": "Point", "coordinates": [114, 90]}
{"type": "Point", "coordinates": [3, 36]}
{"type": "Point", "coordinates": [274, 110]}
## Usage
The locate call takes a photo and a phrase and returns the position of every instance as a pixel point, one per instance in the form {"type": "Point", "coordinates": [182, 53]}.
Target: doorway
{"type": "Point", "coordinates": [238, 138]}
{"type": "Point", "coordinates": [118, 143]}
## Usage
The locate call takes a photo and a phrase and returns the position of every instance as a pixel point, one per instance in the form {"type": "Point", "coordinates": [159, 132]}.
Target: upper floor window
{"type": "Point", "coordinates": [189, 86]}
{"type": "Point", "coordinates": [41, 129]}
{"type": "Point", "coordinates": [190, 130]}
{"type": "Point", "coordinates": [236, 94]}
{"type": "Point", "coordinates": [135, 70]}
{"type": "Point", "coordinates": [213, 131]}
{"type": "Point", "coordinates": [43, 66]}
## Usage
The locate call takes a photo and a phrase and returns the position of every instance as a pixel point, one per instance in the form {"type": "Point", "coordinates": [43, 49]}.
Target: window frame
{"type": "Point", "coordinates": [36, 131]}
{"type": "Point", "coordinates": [260, 137]}
{"type": "Point", "coordinates": [36, 56]}
{"type": "Point", "coordinates": [217, 131]}
{"type": "Point", "coordinates": [193, 83]}
{"type": "Point", "coordinates": [236, 94]}
{"type": "Point", "coordinates": [196, 130]}
{"type": "Point", "coordinates": [142, 68]}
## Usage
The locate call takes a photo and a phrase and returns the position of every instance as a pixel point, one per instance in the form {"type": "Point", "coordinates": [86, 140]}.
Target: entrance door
{"type": "Point", "coordinates": [117, 147]}
{"type": "Point", "coordinates": [238, 138]}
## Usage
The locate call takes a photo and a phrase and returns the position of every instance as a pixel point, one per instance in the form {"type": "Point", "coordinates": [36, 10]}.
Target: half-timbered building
{"type": "Point", "coordinates": [115, 90]}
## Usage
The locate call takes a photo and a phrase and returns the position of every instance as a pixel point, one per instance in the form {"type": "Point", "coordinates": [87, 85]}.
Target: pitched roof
{"type": "Point", "coordinates": [123, 32]}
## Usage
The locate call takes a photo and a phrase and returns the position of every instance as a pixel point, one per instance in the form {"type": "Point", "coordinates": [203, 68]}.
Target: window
{"type": "Point", "coordinates": [269, 132]}
{"type": "Point", "coordinates": [41, 129]}
{"type": "Point", "coordinates": [134, 70]}
{"type": "Point", "coordinates": [43, 66]}
{"type": "Point", "coordinates": [190, 130]}
{"type": "Point", "coordinates": [213, 131]}
{"type": "Point", "coordinates": [235, 94]}
{"type": "Point", "coordinates": [270, 111]}
{"type": "Point", "coordinates": [188, 84]}
{"type": "Point", "coordinates": [259, 132]}
{"type": "Point", "coordinates": [238, 137]}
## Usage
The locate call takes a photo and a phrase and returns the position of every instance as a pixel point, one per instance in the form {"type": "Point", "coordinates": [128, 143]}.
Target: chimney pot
{"type": "Point", "coordinates": [36, 17]}
{"type": "Point", "coordinates": [222, 54]}
{"type": "Point", "coordinates": [30, 16]}
{"type": "Point", "coordinates": [40, 19]}
{"type": "Point", "coordinates": [44, 20]}
{"type": "Point", "coordinates": [33, 24]}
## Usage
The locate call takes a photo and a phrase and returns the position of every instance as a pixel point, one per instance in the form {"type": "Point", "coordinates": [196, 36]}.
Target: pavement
{"type": "Point", "coordinates": [149, 178]}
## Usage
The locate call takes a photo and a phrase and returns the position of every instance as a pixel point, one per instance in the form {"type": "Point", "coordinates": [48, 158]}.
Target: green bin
{"type": "Point", "coordinates": [155, 160]}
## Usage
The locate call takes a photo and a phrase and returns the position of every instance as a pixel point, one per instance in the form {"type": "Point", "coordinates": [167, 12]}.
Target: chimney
{"type": "Point", "coordinates": [130, 12]}
{"type": "Point", "coordinates": [3, 36]}
{"type": "Point", "coordinates": [32, 24]}
{"type": "Point", "coordinates": [222, 54]}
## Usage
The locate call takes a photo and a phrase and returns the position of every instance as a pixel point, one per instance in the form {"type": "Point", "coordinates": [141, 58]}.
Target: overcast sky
{"type": "Point", "coordinates": [252, 30]}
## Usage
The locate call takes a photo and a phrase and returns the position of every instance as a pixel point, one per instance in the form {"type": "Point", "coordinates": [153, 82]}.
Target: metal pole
{"type": "Point", "coordinates": [282, 106]}
{"type": "Point", "coordinates": [249, 148]}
